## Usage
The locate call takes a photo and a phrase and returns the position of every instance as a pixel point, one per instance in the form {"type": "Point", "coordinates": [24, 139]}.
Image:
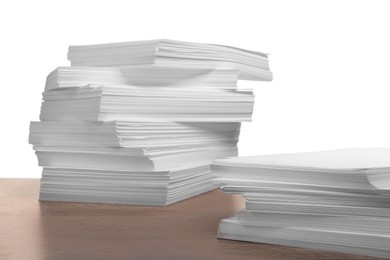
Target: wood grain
{"type": "Point", "coordinates": [30, 229]}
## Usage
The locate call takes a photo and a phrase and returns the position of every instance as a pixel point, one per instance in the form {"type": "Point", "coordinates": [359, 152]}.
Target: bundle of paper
{"type": "Point", "coordinates": [134, 158]}
{"type": "Point", "coordinates": [143, 76]}
{"type": "Point", "coordinates": [136, 131]}
{"type": "Point", "coordinates": [127, 103]}
{"type": "Point", "coordinates": [252, 65]}
{"type": "Point", "coordinates": [132, 134]}
{"type": "Point", "coordinates": [149, 188]}
{"type": "Point", "coordinates": [139, 176]}
{"type": "Point", "coordinates": [334, 200]}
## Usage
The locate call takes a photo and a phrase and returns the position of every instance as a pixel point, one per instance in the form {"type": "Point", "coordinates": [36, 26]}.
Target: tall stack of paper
{"type": "Point", "coordinates": [136, 123]}
{"type": "Point", "coordinates": [334, 200]}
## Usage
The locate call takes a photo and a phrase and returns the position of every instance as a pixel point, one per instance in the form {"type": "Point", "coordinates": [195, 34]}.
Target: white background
{"type": "Point", "coordinates": [330, 60]}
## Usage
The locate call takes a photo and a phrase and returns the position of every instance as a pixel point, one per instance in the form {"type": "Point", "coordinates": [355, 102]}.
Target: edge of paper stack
{"type": "Point", "coordinates": [139, 122]}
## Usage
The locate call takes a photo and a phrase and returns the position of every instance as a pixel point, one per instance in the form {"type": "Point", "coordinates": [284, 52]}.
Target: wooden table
{"type": "Point", "coordinates": [30, 229]}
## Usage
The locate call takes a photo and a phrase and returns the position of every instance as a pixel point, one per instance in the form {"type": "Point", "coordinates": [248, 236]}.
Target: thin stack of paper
{"type": "Point", "coordinates": [138, 132]}
{"type": "Point", "coordinates": [132, 134]}
{"type": "Point", "coordinates": [334, 200]}
{"type": "Point", "coordinates": [168, 53]}
{"type": "Point", "coordinates": [140, 75]}
{"type": "Point", "coordinates": [129, 103]}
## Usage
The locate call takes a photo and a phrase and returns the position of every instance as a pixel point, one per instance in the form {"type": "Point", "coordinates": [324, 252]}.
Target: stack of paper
{"type": "Point", "coordinates": [132, 134]}
{"type": "Point", "coordinates": [168, 53]}
{"type": "Point", "coordinates": [334, 200]}
{"type": "Point", "coordinates": [129, 103]}
{"type": "Point", "coordinates": [142, 133]}
{"type": "Point", "coordinates": [138, 76]}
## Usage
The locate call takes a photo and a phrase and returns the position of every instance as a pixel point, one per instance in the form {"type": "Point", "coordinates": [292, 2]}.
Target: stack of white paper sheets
{"type": "Point", "coordinates": [132, 134]}
{"type": "Point", "coordinates": [168, 53]}
{"type": "Point", "coordinates": [333, 200]}
{"type": "Point", "coordinates": [139, 76]}
{"type": "Point", "coordinates": [129, 103]}
{"type": "Point", "coordinates": [138, 132]}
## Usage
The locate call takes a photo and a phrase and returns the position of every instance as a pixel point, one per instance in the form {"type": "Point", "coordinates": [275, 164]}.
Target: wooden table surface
{"type": "Point", "coordinates": [30, 229]}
